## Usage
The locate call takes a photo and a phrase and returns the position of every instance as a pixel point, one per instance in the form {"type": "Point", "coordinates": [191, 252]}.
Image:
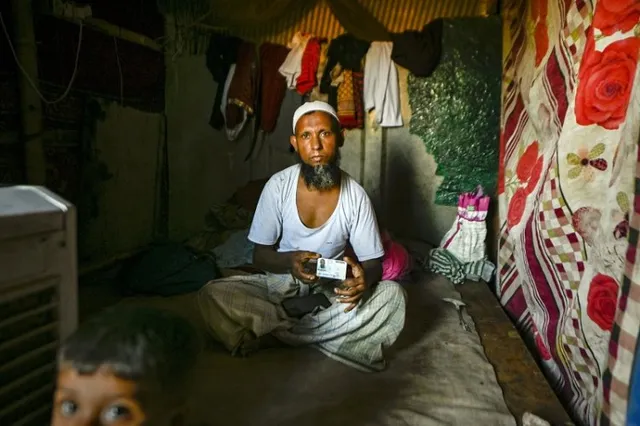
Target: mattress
{"type": "Point", "coordinates": [437, 375]}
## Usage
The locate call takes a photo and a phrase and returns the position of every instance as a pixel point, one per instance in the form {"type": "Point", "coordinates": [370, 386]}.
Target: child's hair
{"type": "Point", "coordinates": [155, 348]}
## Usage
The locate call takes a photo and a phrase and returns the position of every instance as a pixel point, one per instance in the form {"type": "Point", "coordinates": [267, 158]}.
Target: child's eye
{"type": "Point", "coordinates": [68, 408]}
{"type": "Point", "coordinates": [115, 412]}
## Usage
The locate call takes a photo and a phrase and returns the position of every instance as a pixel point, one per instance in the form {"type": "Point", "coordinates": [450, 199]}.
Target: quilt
{"type": "Point", "coordinates": [568, 156]}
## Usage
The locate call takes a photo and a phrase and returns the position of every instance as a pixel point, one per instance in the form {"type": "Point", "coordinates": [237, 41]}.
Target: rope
{"type": "Point", "coordinates": [26, 74]}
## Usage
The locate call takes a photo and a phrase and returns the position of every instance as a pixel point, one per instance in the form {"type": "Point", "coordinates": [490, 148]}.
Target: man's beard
{"type": "Point", "coordinates": [321, 177]}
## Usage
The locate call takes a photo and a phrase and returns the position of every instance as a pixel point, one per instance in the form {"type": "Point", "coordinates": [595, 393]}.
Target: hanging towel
{"type": "Point", "coordinates": [419, 51]}
{"type": "Point", "coordinates": [292, 65]}
{"type": "Point", "coordinates": [307, 79]}
{"type": "Point", "coordinates": [381, 91]}
{"type": "Point", "coordinates": [274, 85]}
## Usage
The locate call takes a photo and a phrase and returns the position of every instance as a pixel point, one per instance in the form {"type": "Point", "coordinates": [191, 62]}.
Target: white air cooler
{"type": "Point", "coordinates": [38, 298]}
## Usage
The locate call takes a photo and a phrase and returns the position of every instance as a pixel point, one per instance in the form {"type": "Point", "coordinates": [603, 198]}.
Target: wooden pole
{"type": "Point", "coordinates": [109, 29]}
{"type": "Point", "coordinates": [30, 103]}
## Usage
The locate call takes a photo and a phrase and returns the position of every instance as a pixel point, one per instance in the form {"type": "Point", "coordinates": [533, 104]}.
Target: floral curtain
{"type": "Point", "coordinates": [569, 136]}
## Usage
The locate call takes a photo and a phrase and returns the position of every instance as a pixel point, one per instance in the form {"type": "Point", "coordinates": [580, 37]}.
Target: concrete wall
{"type": "Point", "coordinates": [409, 189]}
{"type": "Point", "coordinates": [200, 159]}
{"type": "Point", "coordinates": [127, 141]}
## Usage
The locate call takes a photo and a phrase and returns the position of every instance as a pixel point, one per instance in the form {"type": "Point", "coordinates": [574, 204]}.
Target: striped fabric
{"type": "Point", "coordinates": [624, 336]}
{"type": "Point", "coordinates": [239, 310]}
{"type": "Point", "coordinates": [566, 258]}
{"type": "Point", "coordinates": [443, 262]}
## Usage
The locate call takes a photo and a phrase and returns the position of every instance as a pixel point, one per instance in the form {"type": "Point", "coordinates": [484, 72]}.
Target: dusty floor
{"type": "Point", "coordinates": [523, 384]}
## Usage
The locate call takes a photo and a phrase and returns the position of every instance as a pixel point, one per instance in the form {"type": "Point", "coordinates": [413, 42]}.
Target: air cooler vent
{"type": "Point", "coordinates": [38, 299]}
{"type": "Point", "coordinates": [29, 336]}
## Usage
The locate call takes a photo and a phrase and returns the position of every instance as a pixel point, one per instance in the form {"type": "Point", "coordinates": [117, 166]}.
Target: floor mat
{"type": "Point", "coordinates": [437, 375]}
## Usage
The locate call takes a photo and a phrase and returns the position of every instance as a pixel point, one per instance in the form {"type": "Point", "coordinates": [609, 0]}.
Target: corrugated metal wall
{"type": "Point", "coordinates": [396, 15]}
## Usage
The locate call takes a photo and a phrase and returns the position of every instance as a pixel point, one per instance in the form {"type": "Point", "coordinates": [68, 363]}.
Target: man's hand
{"type": "Point", "coordinates": [299, 265]}
{"type": "Point", "coordinates": [352, 288]}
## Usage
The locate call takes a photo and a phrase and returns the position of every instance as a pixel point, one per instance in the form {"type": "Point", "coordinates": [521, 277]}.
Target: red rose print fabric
{"type": "Point", "coordinates": [570, 127]}
{"type": "Point", "coordinates": [605, 82]}
{"type": "Point", "coordinates": [616, 15]}
{"type": "Point", "coordinates": [602, 300]}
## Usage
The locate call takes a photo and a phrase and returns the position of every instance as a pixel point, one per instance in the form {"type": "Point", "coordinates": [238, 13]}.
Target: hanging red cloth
{"type": "Point", "coordinates": [274, 84]}
{"type": "Point", "coordinates": [307, 79]}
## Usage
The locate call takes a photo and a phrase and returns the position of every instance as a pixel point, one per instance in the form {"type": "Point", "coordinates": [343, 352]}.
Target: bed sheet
{"type": "Point", "coordinates": [437, 375]}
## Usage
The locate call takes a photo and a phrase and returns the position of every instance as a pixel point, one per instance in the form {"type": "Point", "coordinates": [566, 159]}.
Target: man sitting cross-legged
{"type": "Point", "coordinates": [305, 212]}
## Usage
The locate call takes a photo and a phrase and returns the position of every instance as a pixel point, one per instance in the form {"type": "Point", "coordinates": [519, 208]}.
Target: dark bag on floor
{"type": "Point", "coordinates": [167, 270]}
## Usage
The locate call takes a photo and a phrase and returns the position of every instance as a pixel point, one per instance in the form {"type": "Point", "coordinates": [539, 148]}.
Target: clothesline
{"type": "Point", "coordinates": [354, 76]}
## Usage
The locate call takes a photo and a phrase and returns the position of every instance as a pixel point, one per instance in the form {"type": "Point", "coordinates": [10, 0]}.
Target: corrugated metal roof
{"type": "Point", "coordinates": [396, 15]}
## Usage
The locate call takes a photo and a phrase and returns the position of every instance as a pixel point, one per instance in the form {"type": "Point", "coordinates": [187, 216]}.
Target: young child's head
{"type": "Point", "coordinates": [126, 366]}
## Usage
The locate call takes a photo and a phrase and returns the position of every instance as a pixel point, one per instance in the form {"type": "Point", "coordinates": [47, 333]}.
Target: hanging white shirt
{"type": "Point", "coordinates": [381, 87]}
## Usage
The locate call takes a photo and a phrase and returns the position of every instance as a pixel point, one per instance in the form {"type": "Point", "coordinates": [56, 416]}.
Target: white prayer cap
{"type": "Point", "coordinates": [308, 107]}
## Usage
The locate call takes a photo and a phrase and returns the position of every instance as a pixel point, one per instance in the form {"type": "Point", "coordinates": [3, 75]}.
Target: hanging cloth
{"type": "Point", "coordinates": [273, 86]}
{"type": "Point", "coordinates": [231, 131]}
{"type": "Point", "coordinates": [222, 52]}
{"type": "Point", "coordinates": [292, 66]}
{"type": "Point", "coordinates": [243, 86]}
{"type": "Point", "coordinates": [346, 102]}
{"type": "Point", "coordinates": [381, 89]}
{"type": "Point", "coordinates": [347, 52]}
{"type": "Point", "coordinates": [419, 51]}
{"type": "Point", "coordinates": [358, 93]}
{"type": "Point", "coordinates": [307, 79]}
{"type": "Point", "coordinates": [316, 94]}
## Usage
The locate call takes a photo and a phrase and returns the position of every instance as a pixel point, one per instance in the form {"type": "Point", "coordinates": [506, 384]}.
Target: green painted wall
{"type": "Point", "coordinates": [456, 111]}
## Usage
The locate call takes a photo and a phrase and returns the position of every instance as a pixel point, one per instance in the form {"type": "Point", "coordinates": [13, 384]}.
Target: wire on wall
{"type": "Point", "coordinates": [31, 82]}
{"type": "Point", "coordinates": [115, 45]}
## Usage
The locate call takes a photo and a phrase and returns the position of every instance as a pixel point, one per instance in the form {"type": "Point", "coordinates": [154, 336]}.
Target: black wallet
{"type": "Point", "coordinates": [297, 307]}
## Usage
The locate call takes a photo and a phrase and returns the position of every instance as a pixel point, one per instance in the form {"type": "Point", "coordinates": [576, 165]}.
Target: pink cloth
{"type": "Point", "coordinates": [396, 262]}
